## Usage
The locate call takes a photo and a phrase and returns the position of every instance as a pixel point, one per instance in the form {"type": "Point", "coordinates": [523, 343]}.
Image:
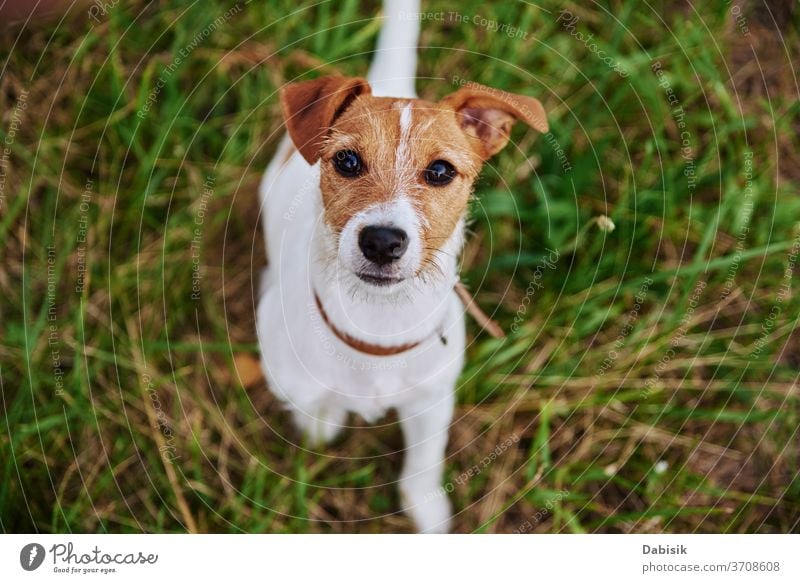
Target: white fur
{"type": "Point", "coordinates": [319, 377]}
{"type": "Point", "coordinates": [402, 158]}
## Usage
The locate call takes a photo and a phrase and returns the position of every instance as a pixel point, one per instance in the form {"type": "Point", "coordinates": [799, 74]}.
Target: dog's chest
{"type": "Point", "coordinates": [307, 364]}
{"type": "Point", "coordinates": [370, 387]}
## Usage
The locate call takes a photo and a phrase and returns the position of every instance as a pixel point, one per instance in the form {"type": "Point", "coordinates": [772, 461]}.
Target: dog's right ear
{"type": "Point", "coordinates": [311, 107]}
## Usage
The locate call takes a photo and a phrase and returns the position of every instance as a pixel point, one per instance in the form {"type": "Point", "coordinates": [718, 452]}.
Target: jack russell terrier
{"type": "Point", "coordinates": [365, 205]}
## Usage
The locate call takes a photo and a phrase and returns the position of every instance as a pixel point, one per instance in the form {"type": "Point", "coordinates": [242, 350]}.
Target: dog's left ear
{"type": "Point", "coordinates": [486, 115]}
{"type": "Point", "coordinates": [311, 107]}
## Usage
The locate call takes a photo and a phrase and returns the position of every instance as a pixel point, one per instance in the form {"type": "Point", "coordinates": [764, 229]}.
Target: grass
{"type": "Point", "coordinates": [650, 383]}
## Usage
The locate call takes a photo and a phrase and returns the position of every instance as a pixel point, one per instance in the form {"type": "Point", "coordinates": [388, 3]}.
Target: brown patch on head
{"type": "Point", "coordinates": [396, 140]}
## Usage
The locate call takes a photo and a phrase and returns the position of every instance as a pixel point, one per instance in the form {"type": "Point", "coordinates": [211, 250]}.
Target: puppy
{"type": "Point", "coordinates": [364, 209]}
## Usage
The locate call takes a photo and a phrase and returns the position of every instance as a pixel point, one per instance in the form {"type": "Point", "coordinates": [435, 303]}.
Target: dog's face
{"type": "Point", "coordinates": [396, 174]}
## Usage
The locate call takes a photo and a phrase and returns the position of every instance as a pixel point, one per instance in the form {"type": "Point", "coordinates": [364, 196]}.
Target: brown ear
{"type": "Point", "coordinates": [311, 107]}
{"type": "Point", "coordinates": [487, 115]}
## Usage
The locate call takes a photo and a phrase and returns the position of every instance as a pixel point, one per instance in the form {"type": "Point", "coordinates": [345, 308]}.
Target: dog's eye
{"type": "Point", "coordinates": [439, 173]}
{"type": "Point", "coordinates": [347, 163]}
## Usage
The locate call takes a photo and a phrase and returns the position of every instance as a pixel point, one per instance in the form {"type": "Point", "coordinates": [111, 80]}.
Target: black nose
{"type": "Point", "coordinates": [382, 245]}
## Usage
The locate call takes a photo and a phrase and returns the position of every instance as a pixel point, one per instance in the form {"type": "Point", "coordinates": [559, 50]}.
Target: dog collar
{"type": "Point", "coordinates": [489, 325]}
{"type": "Point", "coordinates": [361, 345]}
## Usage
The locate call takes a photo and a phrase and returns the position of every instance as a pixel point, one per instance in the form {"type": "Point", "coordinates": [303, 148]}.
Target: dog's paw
{"type": "Point", "coordinates": [428, 507]}
{"type": "Point", "coordinates": [320, 427]}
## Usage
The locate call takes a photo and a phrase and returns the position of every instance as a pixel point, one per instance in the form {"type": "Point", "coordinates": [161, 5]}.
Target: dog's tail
{"type": "Point", "coordinates": [394, 66]}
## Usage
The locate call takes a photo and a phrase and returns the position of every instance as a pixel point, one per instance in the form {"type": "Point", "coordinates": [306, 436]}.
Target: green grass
{"type": "Point", "coordinates": [595, 387]}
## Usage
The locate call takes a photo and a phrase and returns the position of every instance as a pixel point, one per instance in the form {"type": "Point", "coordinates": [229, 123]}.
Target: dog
{"type": "Point", "coordinates": [364, 210]}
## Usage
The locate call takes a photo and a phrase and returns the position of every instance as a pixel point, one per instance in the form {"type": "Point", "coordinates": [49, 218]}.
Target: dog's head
{"type": "Point", "coordinates": [396, 174]}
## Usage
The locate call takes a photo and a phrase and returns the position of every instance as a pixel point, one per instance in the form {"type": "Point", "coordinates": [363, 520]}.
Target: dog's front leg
{"type": "Point", "coordinates": [425, 425]}
{"type": "Point", "coordinates": [320, 424]}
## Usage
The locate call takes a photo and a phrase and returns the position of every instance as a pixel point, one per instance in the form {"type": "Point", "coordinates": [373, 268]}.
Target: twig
{"type": "Point", "coordinates": [485, 322]}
